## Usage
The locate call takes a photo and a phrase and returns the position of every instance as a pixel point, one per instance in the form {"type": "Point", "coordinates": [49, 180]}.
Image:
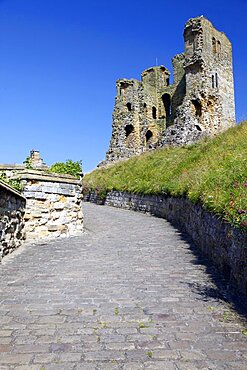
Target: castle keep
{"type": "Point", "coordinates": [152, 112]}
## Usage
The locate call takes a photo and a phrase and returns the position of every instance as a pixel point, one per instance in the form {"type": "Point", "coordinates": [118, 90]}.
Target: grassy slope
{"type": "Point", "coordinates": [212, 172]}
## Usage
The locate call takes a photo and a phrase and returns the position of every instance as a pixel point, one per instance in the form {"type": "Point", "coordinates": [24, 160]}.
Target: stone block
{"type": "Point", "coordinates": [36, 214]}
{"type": "Point", "coordinates": [53, 227]}
{"type": "Point", "coordinates": [40, 195]}
{"type": "Point", "coordinates": [59, 205]}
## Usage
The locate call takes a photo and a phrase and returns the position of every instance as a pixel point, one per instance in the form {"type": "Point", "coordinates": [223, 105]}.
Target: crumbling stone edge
{"type": "Point", "coordinates": [223, 244]}
{"type": "Point", "coordinates": [12, 210]}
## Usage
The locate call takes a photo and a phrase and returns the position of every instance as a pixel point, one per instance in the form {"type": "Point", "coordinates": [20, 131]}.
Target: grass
{"type": "Point", "coordinates": [212, 172]}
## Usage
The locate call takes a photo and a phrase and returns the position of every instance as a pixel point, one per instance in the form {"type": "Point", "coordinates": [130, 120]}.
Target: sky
{"type": "Point", "coordinates": [60, 59]}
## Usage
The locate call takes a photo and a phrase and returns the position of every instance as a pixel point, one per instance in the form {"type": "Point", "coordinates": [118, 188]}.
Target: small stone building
{"type": "Point", "coordinates": [200, 101]}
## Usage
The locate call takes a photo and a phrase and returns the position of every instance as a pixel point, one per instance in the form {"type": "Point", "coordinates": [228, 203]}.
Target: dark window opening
{"type": "Point", "coordinates": [214, 45]}
{"type": "Point", "coordinates": [128, 106]}
{"type": "Point", "coordinates": [198, 128]}
{"type": "Point", "coordinates": [166, 98]}
{"type": "Point", "coordinates": [218, 47]}
{"type": "Point", "coordinates": [216, 80]}
{"type": "Point", "coordinates": [128, 130]}
{"type": "Point", "coordinates": [145, 108]}
{"type": "Point", "coordinates": [154, 112]}
{"type": "Point", "coordinates": [148, 135]}
{"type": "Point", "coordinates": [198, 107]}
{"type": "Point", "coordinates": [168, 81]}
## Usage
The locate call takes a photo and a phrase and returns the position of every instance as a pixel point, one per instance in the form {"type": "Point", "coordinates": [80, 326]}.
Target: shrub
{"type": "Point", "coordinates": [69, 167]}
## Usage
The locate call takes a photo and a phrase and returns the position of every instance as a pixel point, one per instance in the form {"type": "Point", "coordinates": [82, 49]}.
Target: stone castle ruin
{"type": "Point", "coordinates": [153, 113]}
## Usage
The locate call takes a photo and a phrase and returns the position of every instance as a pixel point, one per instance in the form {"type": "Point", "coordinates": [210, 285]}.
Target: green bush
{"type": "Point", "coordinates": [69, 167]}
{"type": "Point", "coordinates": [212, 172]}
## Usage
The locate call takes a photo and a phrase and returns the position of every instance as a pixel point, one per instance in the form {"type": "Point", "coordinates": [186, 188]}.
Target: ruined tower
{"type": "Point", "coordinates": [152, 112]}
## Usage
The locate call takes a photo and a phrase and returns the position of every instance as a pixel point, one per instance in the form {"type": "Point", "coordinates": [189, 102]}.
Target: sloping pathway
{"type": "Point", "coordinates": [129, 294]}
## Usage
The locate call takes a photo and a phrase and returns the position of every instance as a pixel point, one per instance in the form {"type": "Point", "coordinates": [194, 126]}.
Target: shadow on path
{"type": "Point", "coordinates": [221, 290]}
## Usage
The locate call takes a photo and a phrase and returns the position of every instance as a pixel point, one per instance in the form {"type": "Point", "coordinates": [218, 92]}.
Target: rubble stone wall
{"type": "Point", "coordinates": [12, 209]}
{"type": "Point", "coordinates": [53, 206]}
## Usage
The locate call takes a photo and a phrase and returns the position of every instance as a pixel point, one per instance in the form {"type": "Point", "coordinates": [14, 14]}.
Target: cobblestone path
{"type": "Point", "coordinates": [128, 294]}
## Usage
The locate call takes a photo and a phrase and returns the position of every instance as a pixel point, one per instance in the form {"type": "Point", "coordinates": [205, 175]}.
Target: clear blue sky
{"type": "Point", "coordinates": [60, 59]}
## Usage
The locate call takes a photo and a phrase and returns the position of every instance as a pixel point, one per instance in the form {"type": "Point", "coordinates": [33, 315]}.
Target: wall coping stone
{"type": "Point", "coordinates": [46, 176]}
{"type": "Point", "coordinates": [25, 173]}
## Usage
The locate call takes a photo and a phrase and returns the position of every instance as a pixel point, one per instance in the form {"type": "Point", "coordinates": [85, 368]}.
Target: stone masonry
{"type": "Point", "coordinates": [53, 205]}
{"type": "Point", "coordinates": [12, 209]}
{"type": "Point", "coordinates": [152, 112]}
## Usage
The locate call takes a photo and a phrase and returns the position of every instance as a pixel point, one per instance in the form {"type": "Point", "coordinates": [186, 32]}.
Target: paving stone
{"type": "Point", "coordinates": [163, 365]}
{"type": "Point", "coordinates": [85, 366]}
{"type": "Point", "coordinates": [104, 356]}
{"type": "Point", "coordinates": [15, 358]}
{"type": "Point", "coordinates": [44, 358]}
{"type": "Point", "coordinates": [24, 367]}
{"type": "Point", "coordinates": [120, 297]}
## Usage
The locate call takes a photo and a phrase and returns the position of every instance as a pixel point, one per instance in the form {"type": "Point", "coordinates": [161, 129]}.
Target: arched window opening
{"type": "Point", "coordinates": [198, 107]}
{"type": "Point", "coordinates": [166, 98]}
{"type": "Point", "coordinates": [128, 106]}
{"type": "Point", "coordinates": [168, 81]}
{"type": "Point", "coordinates": [145, 109]}
{"type": "Point", "coordinates": [214, 45]}
{"type": "Point", "coordinates": [128, 130]}
{"type": "Point", "coordinates": [148, 136]}
{"type": "Point", "coordinates": [154, 112]}
{"type": "Point", "coordinates": [213, 84]}
{"type": "Point", "coordinates": [218, 47]}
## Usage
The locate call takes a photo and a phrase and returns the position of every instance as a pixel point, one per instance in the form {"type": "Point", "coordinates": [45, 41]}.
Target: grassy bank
{"type": "Point", "coordinates": [212, 172]}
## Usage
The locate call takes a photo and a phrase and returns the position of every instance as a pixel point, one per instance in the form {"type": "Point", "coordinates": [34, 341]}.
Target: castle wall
{"type": "Point", "coordinates": [209, 101]}
{"type": "Point", "coordinates": [139, 116]}
{"type": "Point", "coordinates": [151, 113]}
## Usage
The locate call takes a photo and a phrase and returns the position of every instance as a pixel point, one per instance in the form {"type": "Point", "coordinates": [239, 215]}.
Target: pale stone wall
{"type": "Point", "coordinates": [53, 206]}
{"type": "Point", "coordinates": [12, 208]}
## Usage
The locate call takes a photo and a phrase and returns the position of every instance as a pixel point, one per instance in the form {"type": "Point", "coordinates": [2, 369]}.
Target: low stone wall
{"type": "Point", "coordinates": [224, 245]}
{"type": "Point", "coordinates": [12, 209]}
{"type": "Point", "coordinates": [54, 205]}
